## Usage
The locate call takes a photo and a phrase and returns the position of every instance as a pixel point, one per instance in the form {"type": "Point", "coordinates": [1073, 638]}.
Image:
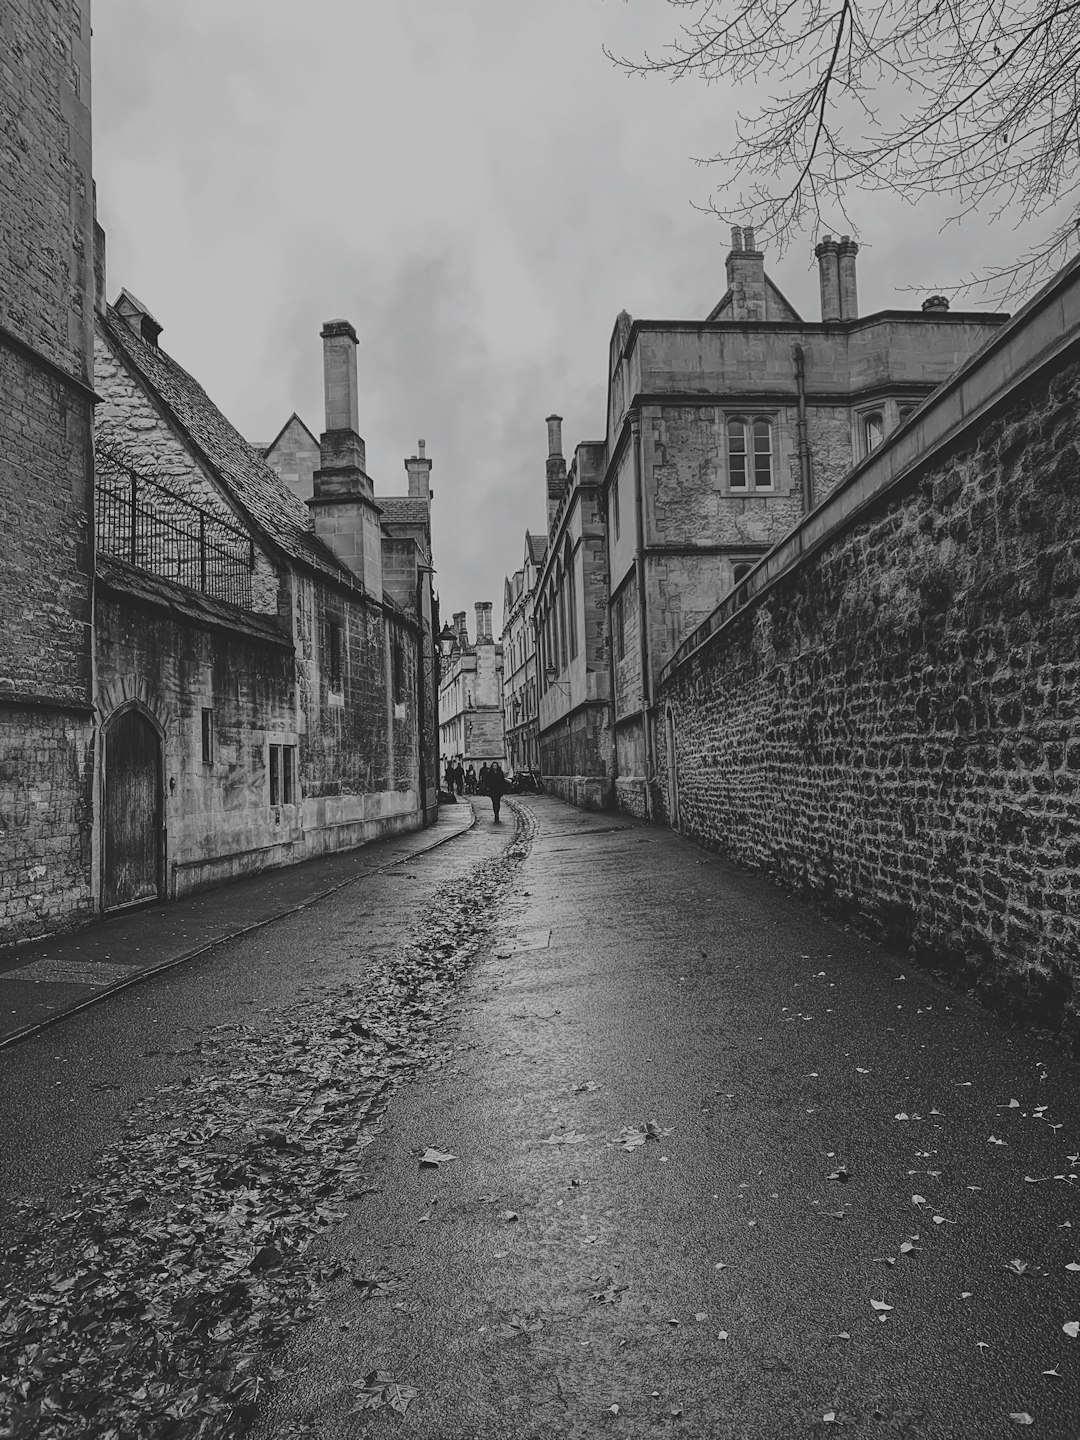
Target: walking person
{"type": "Point", "coordinates": [459, 776]}
{"type": "Point", "coordinates": [496, 788]}
{"type": "Point", "coordinates": [482, 779]}
{"type": "Point", "coordinates": [470, 780]}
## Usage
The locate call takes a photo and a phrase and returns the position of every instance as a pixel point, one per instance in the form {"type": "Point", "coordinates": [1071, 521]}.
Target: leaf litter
{"type": "Point", "coordinates": [148, 1302]}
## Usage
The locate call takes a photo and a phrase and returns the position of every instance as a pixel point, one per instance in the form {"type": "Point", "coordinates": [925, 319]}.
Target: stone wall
{"type": "Point", "coordinates": [891, 724]}
{"type": "Point", "coordinates": [575, 758]}
{"type": "Point", "coordinates": [46, 564]}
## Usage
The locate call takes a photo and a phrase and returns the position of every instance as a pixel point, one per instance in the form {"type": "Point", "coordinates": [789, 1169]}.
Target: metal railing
{"type": "Point", "coordinates": [142, 521]}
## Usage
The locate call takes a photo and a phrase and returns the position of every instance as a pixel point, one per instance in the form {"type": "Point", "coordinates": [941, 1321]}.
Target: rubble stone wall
{"type": "Point", "coordinates": [891, 723]}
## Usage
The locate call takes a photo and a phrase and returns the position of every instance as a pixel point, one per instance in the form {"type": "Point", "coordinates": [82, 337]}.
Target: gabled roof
{"type": "Point", "coordinates": [294, 419]}
{"type": "Point", "coordinates": [243, 474]}
{"type": "Point", "coordinates": [535, 547]}
{"type": "Point", "coordinates": [777, 306]}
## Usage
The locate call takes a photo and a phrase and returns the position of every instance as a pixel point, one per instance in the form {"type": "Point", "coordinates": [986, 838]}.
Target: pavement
{"type": "Point", "coordinates": [717, 1167]}
{"type": "Point", "coordinates": [43, 981]}
{"type": "Point", "coordinates": [721, 1168]}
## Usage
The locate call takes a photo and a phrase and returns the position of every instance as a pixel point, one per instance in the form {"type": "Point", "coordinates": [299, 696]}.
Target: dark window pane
{"type": "Point", "coordinates": [275, 774]}
{"type": "Point", "coordinates": [287, 755]}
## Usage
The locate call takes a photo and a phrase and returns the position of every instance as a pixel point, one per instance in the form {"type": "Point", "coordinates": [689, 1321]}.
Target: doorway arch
{"type": "Point", "coordinates": [132, 803]}
{"type": "Point", "coordinates": [672, 770]}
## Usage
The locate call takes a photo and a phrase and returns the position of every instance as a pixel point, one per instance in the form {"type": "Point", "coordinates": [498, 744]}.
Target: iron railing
{"type": "Point", "coordinates": [142, 521]}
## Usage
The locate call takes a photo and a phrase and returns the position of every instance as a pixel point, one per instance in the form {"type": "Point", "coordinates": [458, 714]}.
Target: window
{"type": "Point", "coordinates": [904, 412]}
{"type": "Point", "coordinates": [208, 737]}
{"type": "Point", "coordinates": [873, 430]}
{"type": "Point", "coordinates": [614, 507]}
{"type": "Point", "coordinates": [562, 625]}
{"type": "Point", "coordinates": [282, 765]}
{"type": "Point", "coordinates": [750, 454]}
{"type": "Point", "coordinates": [397, 670]}
{"type": "Point", "coordinates": [571, 605]}
{"type": "Point", "coordinates": [740, 570]}
{"type": "Point", "coordinates": [333, 657]}
{"type": "Point", "coordinates": [618, 628]}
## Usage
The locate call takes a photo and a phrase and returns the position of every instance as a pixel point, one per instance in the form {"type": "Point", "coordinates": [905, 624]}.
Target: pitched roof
{"type": "Point", "coordinates": [404, 509]}
{"type": "Point", "coordinates": [536, 547]}
{"type": "Point", "coordinates": [777, 305]}
{"type": "Point", "coordinates": [247, 479]}
{"type": "Point", "coordinates": [118, 576]}
{"type": "Point", "coordinates": [294, 418]}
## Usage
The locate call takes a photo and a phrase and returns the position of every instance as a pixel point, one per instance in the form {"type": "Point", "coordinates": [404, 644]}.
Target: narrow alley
{"type": "Point", "coordinates": [566, 1128]}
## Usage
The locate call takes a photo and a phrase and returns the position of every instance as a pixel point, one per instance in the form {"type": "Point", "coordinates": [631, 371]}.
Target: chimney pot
{"type": "Point", "coordinates": [748, 238]}
{"type": "Point", "coordinates": [339, 376]}
{"type": "Point", "coordinates": [420, 448]}
{"type": "Point", "coordinates": [936, 302]}
{"type": "Point", "coordinates": [736, 237]}
{"type": "Point", "coordinates": [554, 427]}
{"type": "Point", "coordinates": [849, 294]}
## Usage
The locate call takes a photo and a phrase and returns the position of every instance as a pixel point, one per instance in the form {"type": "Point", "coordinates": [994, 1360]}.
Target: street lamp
{"type": "Point", "coordinates": [549, 676]}
{"type": "Point", "coordinates": [447, 641]}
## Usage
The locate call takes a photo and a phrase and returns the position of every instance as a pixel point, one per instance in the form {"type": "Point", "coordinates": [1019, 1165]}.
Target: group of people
{"type": "Point", "coordinates": [489, 781]}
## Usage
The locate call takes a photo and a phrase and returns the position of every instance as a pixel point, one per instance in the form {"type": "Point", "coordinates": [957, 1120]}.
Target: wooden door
{"type": "Point", "coordinates": [132, 811]}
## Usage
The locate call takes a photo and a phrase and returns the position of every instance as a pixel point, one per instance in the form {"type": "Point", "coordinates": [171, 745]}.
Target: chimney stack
{"type": "Point", "coordinates": [828, 258]}
{"type": "Point", "coordinates": [746, 276]}
{"type": "Point", "coordinates": [418, 469]}
{"type": "Point", "coordinates": [556, 468]}
{"type": "Point", "coordinates": [849, 296]}
{"type": "Point", "coordinates": [461, 630]}
{"type": "Point", "coordinates": [343, 507]}
{"type": "Point", "coordinates": [480, 636]}
{"type": "Point", "coordinates": [935, 302]}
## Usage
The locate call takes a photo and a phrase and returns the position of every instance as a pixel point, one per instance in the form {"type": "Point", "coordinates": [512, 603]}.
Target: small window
{"type": "Point", "coordinates": [333, 659]}
{"type": "Point", "coordinates": [208, 737]}
{"type": "Point", "coordinates": [736, 449]}
{"type": "Point", "coordinates": [740, 570]}
{"type": "Point", "coordinates": [397, 663]}
{"type": "Point", "coordinates": [873, 428]}
{"type": "Point", "coordinates": [619, 628]}
{"type": "Point", "coordinates": [905, 412]}
{"type": "Point", "coordinates": [615, 507]}
{"type": "Point", "coordinates": [762, 455]}
{"type": "Point", "coordinates": [282, 775]}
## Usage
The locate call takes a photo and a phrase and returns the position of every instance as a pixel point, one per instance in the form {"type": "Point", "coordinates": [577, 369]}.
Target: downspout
{"type": "Point", "coordinates": [421, 676]}
{"type": "Point", "coordinates": [612, 700]}
{"type": "Point", "coordinates": [643, 628]}
{"type": "Point", "coordinates": [803, 438]}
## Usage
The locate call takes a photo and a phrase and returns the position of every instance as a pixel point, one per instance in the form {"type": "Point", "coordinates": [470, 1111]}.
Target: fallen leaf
{"type": "Point", "coordinates": [1071, 1328]}
{"type": "Point", "coordinates": [880, 1305]}
{"type": "Point", "coordinates": [981, 1345]}
{"type": "Point", "coordinates": [1018, 1267]}
{"type": "Point", "coordinates": [1055, 1372]}
{"type": "Point", "coordinates": [702, 1315]}
{"type": "Point", "coordinates": [902, 1116]}
{"type": "Point", "coordinates": [570, 1138]}
{"type": "Point", "coordinates": [993, 1140]}
{"type": "Point", "coordinates": [435, 1157]}
{"type": "Point", "coordinates": [1021, 1417]}
{"type": "Point", "coordinates": [918, 1199]}
{"type": "Point", "coordinates": [829, 1417]}
{"type": "Point", "coordinates": [1072, 1265]}
{"type": "Point", "coordinates": [722, 1335]}
{"type": "Point", "coordinates": [843, 1335]}
{"type": "Point", "coordinates": [614, 1409]}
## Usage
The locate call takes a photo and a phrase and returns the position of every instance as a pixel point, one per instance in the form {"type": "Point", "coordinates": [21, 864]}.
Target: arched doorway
{"type": "Point", "coordinates": [673, 771]}
{"type": "Point", "coordinates": [131, 812]}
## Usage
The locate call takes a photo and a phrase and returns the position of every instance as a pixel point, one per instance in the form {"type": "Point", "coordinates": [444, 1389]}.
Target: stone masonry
{"type": "Point", "coordinates": [891, 722]}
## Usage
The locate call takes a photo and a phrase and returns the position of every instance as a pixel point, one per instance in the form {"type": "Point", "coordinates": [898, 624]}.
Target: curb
{"type": "Point", "coordinates": [28, 1031]}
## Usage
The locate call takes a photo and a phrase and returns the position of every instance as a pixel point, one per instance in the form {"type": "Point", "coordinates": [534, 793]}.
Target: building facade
{"type": "Point", "coordinates": [573, 653]}
{"type": "Point", "coordinates": [722, 434]}
{"type": "Point", "coordinates": [521, 676]}
{"type": "Point", "coordinates": [260, 661]}
{"type": "Point", "coordinates": [471, 695]}
{"type": "Point", "coordinates": [47, 249]}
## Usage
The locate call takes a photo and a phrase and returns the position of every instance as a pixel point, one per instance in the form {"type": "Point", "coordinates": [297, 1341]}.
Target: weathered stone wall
{"type": "Point", "coordinates": [46, 566]}
{"type": "Point", "coordinates": [575, 758]}
{"type": "Point", "coordinates": [218, 817]}
{"type": "Point", "coordinates": [893, 724]}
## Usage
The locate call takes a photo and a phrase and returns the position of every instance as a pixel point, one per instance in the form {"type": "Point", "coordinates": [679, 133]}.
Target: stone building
{"type": "Point", "coordinates": [722, 434]}
{"type": "Point", "coordinates": [885, 715]}
{"type": "Point", "coordinates": [260, 662]}
{"type": "Point", "coordinates": [574, 658]}
{"type": "Point", "coordinates": [521, 679]}
{"type": "Point", "coordinates": [471, 695]}
{"type": "Point", "coordinates": [46, 470]}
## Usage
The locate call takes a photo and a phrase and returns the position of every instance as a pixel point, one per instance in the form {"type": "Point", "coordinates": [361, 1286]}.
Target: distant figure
{"type": "Point", "coordinates": [459, 776]}
{"type": "Point", "coordinates": [482, 779]}
{"type": "Point", "coordinates": [470, 780]}
{"type": "Point", "coordinates": [496, 787]}
{"type": "Point", "coordinates": [449, 778]}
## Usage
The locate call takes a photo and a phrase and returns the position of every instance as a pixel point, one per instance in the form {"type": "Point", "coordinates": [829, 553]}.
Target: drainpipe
{"type": "Point", "coordinates": [643, 628]}
{"type": "Point", "coordinates": [804, 442]}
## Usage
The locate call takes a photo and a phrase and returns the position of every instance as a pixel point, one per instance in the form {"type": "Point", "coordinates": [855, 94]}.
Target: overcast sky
{"type": "Point", "coordinates": [473, 185]}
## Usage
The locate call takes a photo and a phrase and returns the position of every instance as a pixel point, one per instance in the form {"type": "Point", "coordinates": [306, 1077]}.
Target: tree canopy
{"type": "Point", "coordinates": [974, 100]}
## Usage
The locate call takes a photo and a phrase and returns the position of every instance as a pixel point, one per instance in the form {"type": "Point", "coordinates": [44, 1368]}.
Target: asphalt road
{"type": "Point", "coordinates": [575, 1271]}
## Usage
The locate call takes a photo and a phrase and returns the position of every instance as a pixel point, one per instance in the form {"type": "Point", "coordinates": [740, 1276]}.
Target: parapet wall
{"type": "Point", "coordinates": [887, 713]}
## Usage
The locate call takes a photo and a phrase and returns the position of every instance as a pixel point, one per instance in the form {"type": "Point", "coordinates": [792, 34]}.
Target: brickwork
{"type": "Point", "coordinates": [46, 562]}
{"type": "Point", "coordinates": [893, 726]}
{"type": "Point", "coordinates": [46, 183]}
